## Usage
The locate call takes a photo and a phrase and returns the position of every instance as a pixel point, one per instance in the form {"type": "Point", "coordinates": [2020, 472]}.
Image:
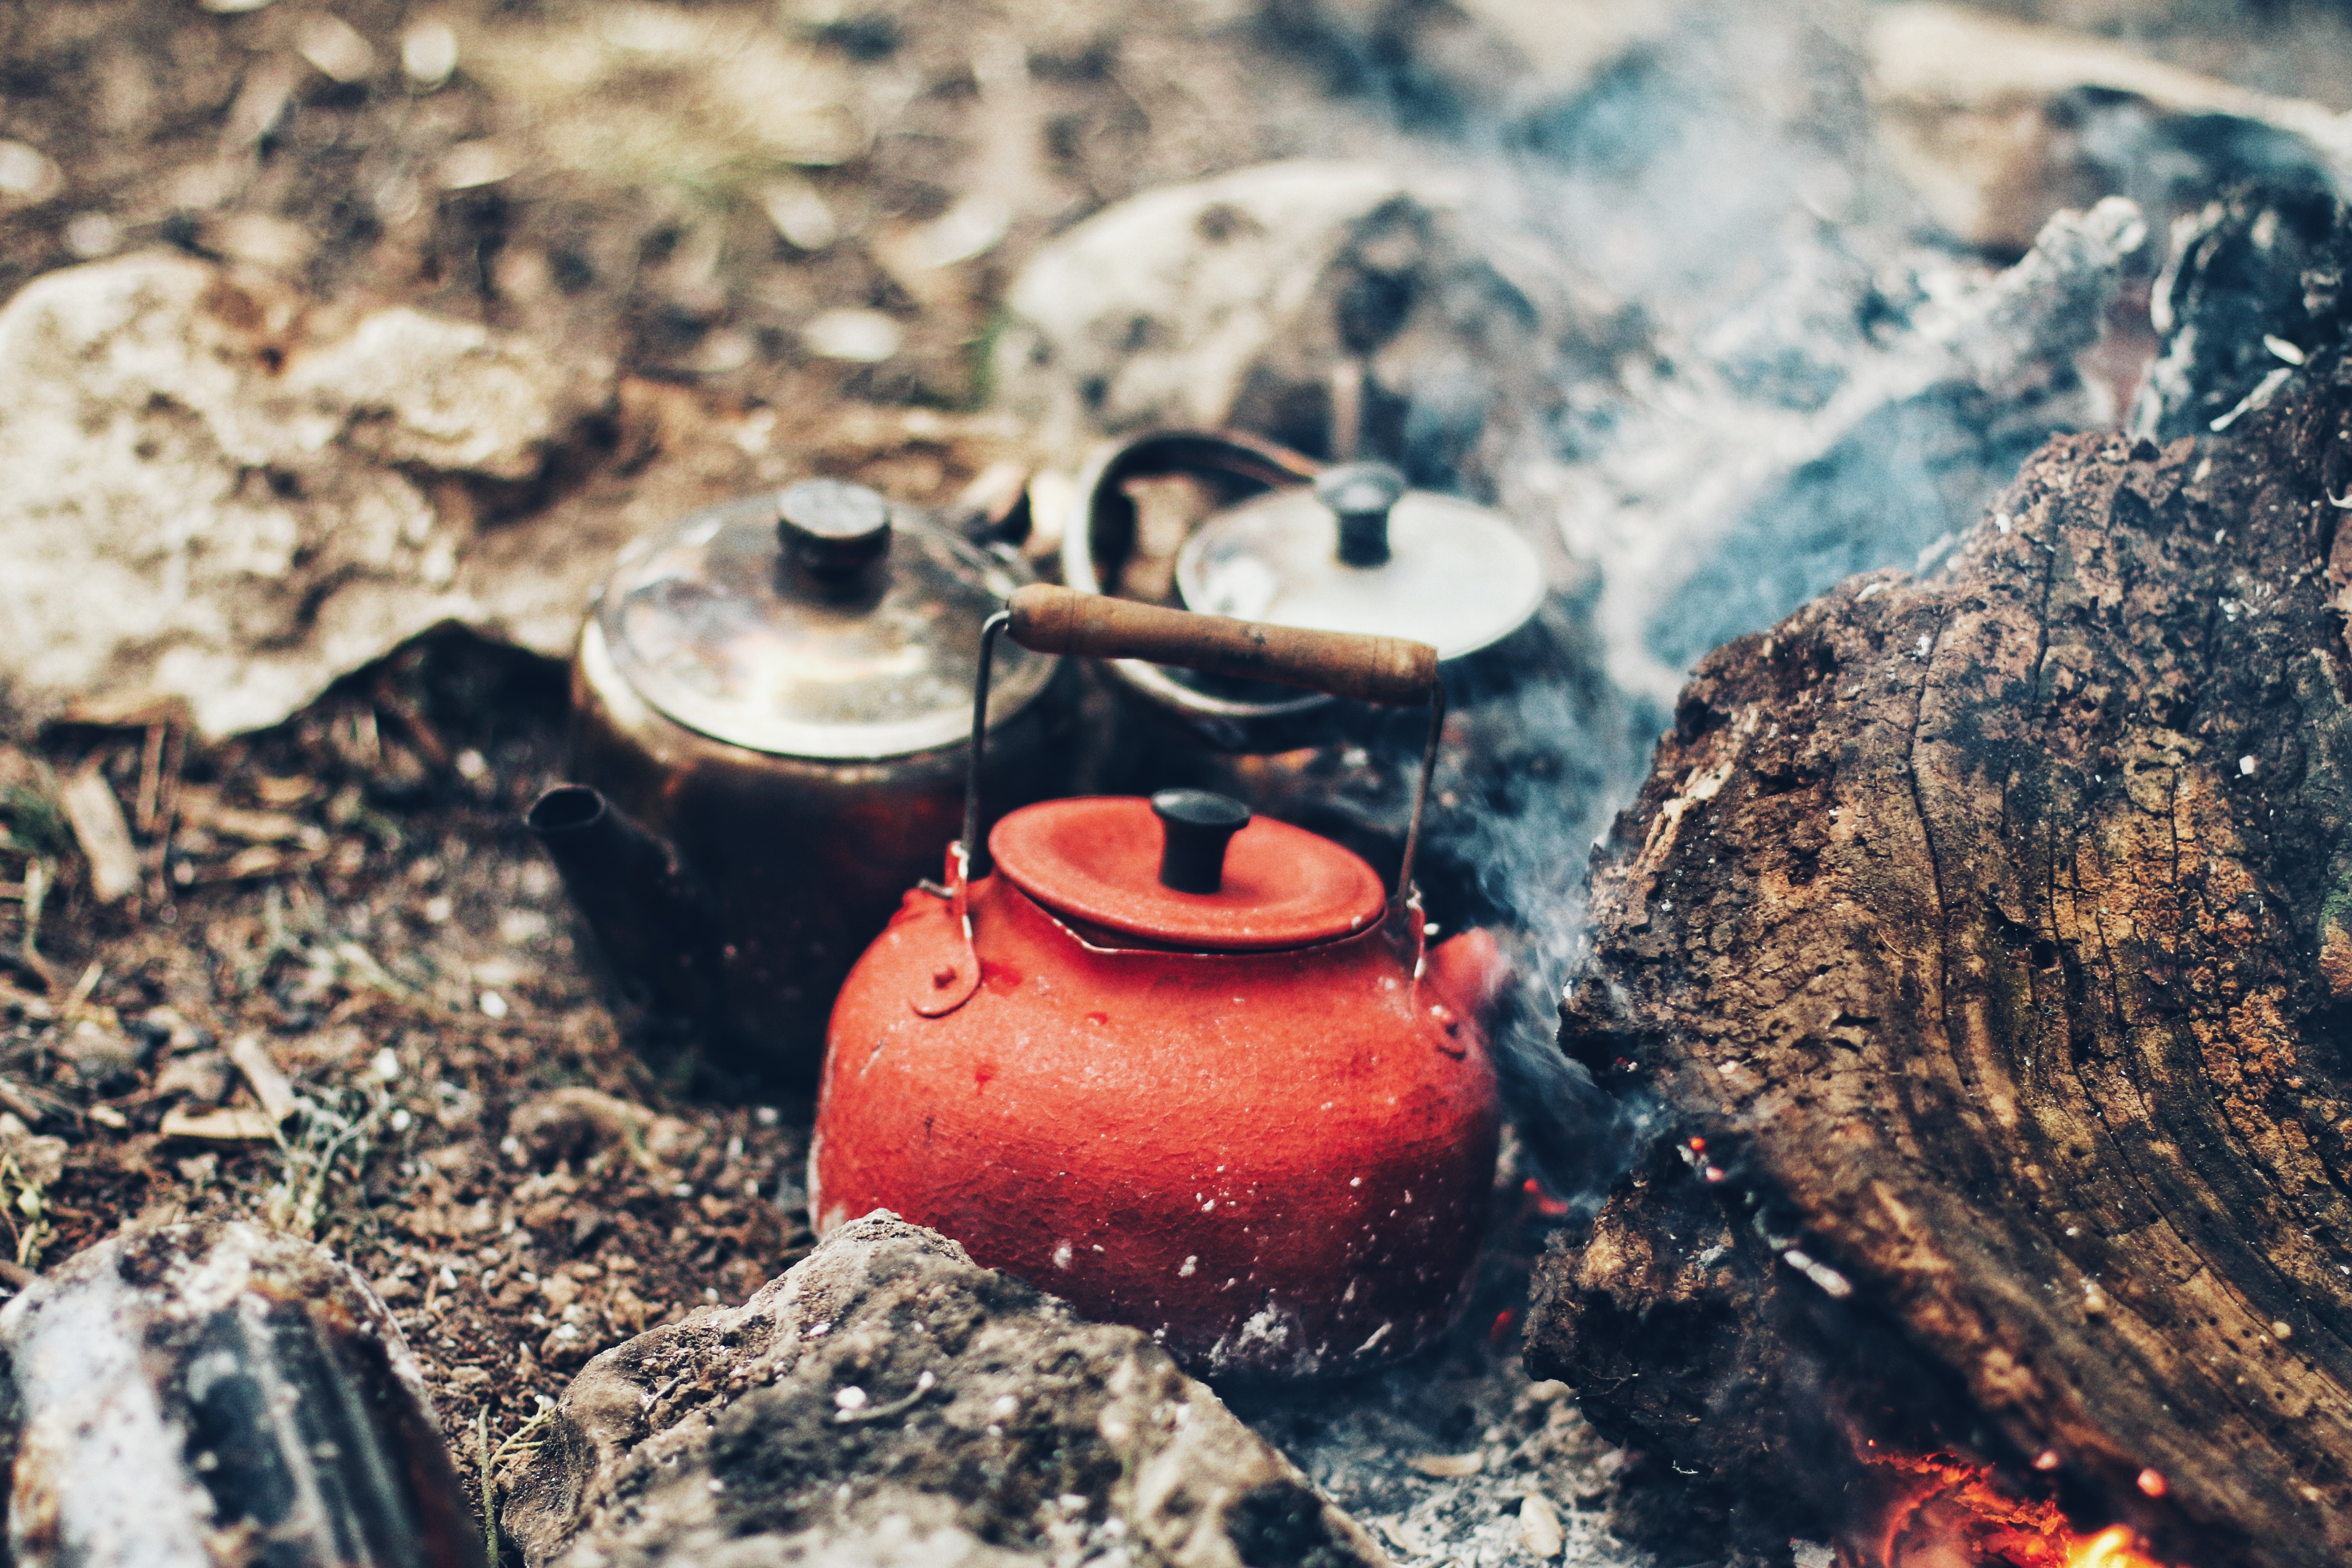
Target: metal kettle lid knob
{"type": "Point", "coordinates": [1195, 827]}
{"type": "Point", "coordinates": [832, 526]}
{"type": "Point", "coordinates": [1360, 495]}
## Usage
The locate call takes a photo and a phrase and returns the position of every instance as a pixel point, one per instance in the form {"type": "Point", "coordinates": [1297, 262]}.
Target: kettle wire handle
{"type": "Point", "coordinates": [1391, 672]}
{"type": "Point", "coordinates": [973, 856]}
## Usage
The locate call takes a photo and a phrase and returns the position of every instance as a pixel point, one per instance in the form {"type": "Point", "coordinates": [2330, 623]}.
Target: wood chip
{"type": "Point", "coordinates": [240, 1125]}
{"type": "Point", "coordinates": [255, 860]}
{"type": "Point", "coordinates": [292, 790]}
{"type": "Point", "coordinates": [1448, 1466]}
{"type": "Point", "coordinates": [253, 826]}
{"type": "Point", "coordinates": [104, 836]}
{"type": "Point", "coordinates": [271, 1085]}
{"type": "Point", "coordinates": [127, 711]}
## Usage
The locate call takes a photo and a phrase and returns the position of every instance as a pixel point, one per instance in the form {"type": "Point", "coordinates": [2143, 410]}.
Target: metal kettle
{"type": "Point", "coordinates": [770, 737]}
{"type": "Point", "coordinates": [1346, 547]}
{"type": "Point", "coordinates": [1191, 1070]}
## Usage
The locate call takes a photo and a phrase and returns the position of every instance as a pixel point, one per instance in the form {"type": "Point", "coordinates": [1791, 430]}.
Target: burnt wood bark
{"type": "Point", "coordinates": [1984, 944]}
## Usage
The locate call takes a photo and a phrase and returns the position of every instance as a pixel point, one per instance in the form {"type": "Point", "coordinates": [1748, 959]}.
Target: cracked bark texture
{"type": "Point", "coordinates": [1986, 942]}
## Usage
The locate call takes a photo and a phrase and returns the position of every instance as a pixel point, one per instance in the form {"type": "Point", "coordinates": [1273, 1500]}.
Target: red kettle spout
{"type": "Point", "coordinates": [1469, 973]}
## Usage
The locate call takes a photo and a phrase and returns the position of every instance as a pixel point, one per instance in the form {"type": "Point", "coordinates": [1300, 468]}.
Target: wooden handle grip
{"type": "Point", "coordinates": [1393, 670]}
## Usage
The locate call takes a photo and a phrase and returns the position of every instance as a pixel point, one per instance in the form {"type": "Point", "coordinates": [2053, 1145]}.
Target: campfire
{"type": "Point", "coordinates": [1277, 784]}
{"type": "Point", "coordinates": [1944, 1509]}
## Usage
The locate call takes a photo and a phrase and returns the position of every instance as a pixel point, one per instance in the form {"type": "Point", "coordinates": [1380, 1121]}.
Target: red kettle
{"type": "Point", "coordinates": [1189, 1069]}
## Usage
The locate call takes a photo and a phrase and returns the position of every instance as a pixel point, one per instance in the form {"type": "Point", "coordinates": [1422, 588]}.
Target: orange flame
{"type": "Point", "coordinates": [1944, 1511]}
{"type": "Point", "coordinates": [2113, 1547]}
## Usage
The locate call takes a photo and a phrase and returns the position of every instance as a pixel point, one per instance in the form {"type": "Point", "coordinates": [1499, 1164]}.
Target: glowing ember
{"type": "Point", "coordinates": [1943, 1512]}
{"type": "Point", "coordinates": [2111, 1548]}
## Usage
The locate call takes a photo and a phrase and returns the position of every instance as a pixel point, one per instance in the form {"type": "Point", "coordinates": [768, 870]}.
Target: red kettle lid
{"type": "Point", "coordinates": [1101, 860]}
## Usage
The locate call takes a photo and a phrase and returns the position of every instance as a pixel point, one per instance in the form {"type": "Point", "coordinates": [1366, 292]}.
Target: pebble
{"type": "Point", "coordinates": [861, 337]}
{"type": "Point", "coordinates": [428, 53]}
{"type": "Point", "coordinates": [89, 236]}
{"type": "Point", "coordinates": [1539, 1530]}
{"type": "Point", "coordinates": [336, 48]}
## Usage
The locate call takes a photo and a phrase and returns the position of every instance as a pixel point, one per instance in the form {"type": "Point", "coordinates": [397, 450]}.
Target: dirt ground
{"type": "Point", "coordinates": [355, 895]}
{"type": "Point", "coordinates": [354, 892]}
{"type": "Point", "coordinates": [579, 174]}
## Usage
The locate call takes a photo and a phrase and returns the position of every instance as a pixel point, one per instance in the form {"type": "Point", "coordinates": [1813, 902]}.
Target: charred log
{"type": "Point", "coordinates": [1987, 942]}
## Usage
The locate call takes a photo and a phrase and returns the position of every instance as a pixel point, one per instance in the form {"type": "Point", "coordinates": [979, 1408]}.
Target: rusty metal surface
{"type": "Point", "coordinates": [1277, 1163]}
{"type": "Point", "coordinates": [803, 859]}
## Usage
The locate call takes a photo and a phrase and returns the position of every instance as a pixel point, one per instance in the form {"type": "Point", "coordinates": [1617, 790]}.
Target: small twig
{"type": "Point", "coordinates": [96, 817]}
{"type": "Point", "coordinates": [271, 1085]}
{"type": "Point", "coordinates": [37, 878]}
{"type": "Point", "coordinates": [362, 963]}
{"type": "Point", "coordinates": [390, 699]}
{"type": "Point", "coordinates": [151, 779]}
{"type": "Point", "coordinates": [489, 1488]}
{"type": "Point", "coordinates": [167, 818]}
{"type": "Point", "coordinates": [35, 1106]}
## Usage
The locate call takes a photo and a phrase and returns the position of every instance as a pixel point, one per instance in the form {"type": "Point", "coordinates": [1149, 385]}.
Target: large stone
{"type": "Point", "coordinates": [216, 497]}
{"type": "Point", "coordinates": [1232, 302]}
{"type": "Point", "coordinates": [886, 1402]}
{"type": "Point", "coordinates": [1998, 124]}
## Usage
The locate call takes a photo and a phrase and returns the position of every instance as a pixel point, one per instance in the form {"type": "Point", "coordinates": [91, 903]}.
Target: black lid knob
{"type": "Point", "coordinates": [832, 526]}
{"type": "Point", "coordinates": [1196, 827]}
{"type": "Point", "coordinates": [1360, 494]}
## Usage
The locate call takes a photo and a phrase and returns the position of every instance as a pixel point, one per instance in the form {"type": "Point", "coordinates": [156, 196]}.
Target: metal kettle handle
{"type": "Point", "coordinates": [1392, 671]}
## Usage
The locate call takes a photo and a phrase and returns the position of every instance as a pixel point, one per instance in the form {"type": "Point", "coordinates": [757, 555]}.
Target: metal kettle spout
{"type": "Point", "coordinates": [648, 912]}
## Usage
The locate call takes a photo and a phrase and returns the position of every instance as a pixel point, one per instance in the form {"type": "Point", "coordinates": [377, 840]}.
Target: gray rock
{"type": "Point", "coordinates": [203, 1077]}
{"type": "Point", "coordinates": [217, 1395]}
{"type": "Point", "coordinates": [101, 1058]}
{"type": "Point", "coordinates": [1998, 123]}
{"type": "Point", "coordinates": [888, 1402]}
{"type": "Point", "coordinates": [1236, 300]}
{"type": "Point", "coordinates": [217, 497]}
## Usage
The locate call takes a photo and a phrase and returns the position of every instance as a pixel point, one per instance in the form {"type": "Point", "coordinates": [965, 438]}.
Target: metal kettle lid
{"type": "Point", "coordinates": [821, 623]}
{"type": "Point", "coordinates": [1108, 860]}
{"type": "Point", "coordinates": [1358, 552]}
